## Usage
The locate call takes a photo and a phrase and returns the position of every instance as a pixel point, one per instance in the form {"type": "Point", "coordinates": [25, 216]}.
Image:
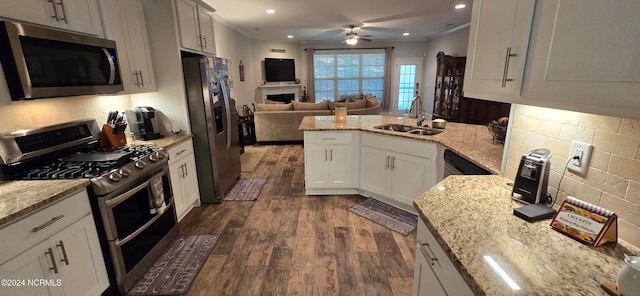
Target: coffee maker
{"type": "Point", "coordinates": [532, 178]}
{"type": "Point", "coordinates": [143, 122]}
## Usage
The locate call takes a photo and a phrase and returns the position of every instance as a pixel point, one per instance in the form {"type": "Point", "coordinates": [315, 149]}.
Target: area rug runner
{"type": "Point", "coordinates": [245, 189]}
{"type": "Point", "coordinates": [175, 270]}
{"type": "Point", "coordinates": [388, 216]}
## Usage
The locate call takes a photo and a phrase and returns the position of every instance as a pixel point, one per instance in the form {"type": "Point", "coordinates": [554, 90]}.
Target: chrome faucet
{"type": "Point", "coordinates": [416, 110]}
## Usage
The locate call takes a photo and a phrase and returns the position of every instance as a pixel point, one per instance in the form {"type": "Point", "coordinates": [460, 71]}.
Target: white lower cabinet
{"type": "Point", "coordinates": [184, 179]}
{"type": "Point", "coordinates": [401, 172]}
{"type": "Point", "coordinates": [68, 262]}
{"type": "Point", "coordinates": [330, 159]}
{"type": "Point", "coordinates": [434, 273]}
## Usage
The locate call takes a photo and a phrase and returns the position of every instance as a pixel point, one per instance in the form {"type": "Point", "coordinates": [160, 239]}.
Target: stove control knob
{"type": "Point", "coordinates": [161, 154]}
{"type": "Point", "coordinates": [153, 158]}
{"type": "Point", "coordinates": [140, 164]}
{"type": "Point", "coordinates": [115, 177]}
{"type": "Point", "coordinates": [125, 172]}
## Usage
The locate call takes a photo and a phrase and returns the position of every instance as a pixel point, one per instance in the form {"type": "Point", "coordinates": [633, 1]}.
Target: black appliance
{"type": "Point", "coordinates": [130, 192]}
{"type": "Point", "coordinates": [143, 122]}
{"type": "Point", "coordinates": [42, 63]}
{"type": "Point", "coordinates": [532, 178]}
{"type": "Point", "coordinates": [455, 164]}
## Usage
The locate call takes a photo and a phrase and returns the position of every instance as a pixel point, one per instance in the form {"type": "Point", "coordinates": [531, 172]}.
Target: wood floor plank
{"type": "Point", "coordinates": [287, 243]}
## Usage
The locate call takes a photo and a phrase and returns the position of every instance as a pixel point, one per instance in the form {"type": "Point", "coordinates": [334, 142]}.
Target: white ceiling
{"type": "Point", "coordinates": [317, 20]}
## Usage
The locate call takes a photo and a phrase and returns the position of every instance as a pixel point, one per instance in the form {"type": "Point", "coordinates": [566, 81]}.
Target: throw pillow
{"type": "Point", "coordinates": [273, 107]}
{"type": "Point", "coordinates": [371, 101]}
{"type": "Point", "coordinates": [359, 104]}
{"type": "Point", "coordinates": [324, 105]}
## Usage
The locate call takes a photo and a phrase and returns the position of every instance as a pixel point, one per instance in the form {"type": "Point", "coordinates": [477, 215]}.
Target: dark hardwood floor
{"type": "Point", "coordinates": [287, 243]}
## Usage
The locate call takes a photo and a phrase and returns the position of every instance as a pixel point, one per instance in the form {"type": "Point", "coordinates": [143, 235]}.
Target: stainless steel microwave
{"type": "Point", "coordinates": [42, 63]}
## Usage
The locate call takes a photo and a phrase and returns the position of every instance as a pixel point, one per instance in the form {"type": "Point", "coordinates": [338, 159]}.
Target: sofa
{"type": "Point", "coordinates": [279, 122]}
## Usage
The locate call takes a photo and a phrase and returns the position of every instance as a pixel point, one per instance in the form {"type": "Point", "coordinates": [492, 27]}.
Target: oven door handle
{"type": "Point", "coordinates": [115, 201]}
{"type": "Point", "coordinates": [120, 242]}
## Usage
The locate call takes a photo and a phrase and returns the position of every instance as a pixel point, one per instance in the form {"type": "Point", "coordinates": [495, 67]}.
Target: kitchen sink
{"type": "Point", "coordinates": [403, 128]}
{"type": "Point", "coordinates": [396, 127]}
{"type": "Point", "coordinates": [425, 131]}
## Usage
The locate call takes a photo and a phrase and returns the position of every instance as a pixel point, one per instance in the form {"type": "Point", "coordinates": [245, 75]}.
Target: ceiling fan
{"type": "Point", "coordinates": [352, 37]}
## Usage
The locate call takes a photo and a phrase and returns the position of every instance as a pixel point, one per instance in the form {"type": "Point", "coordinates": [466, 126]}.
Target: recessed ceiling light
{"type": "Point", "coordinates": [460, 6]}
{"type": "Point", "coordinates": [271, 11]}
{"type": "Point", "coordinates": [289, 36]}
{"type": "Point", "coordinates": [405, 34]}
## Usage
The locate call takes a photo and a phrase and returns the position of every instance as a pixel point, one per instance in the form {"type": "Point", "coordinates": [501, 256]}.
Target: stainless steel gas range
{"type": "Point", "coordinates": [130, 191]}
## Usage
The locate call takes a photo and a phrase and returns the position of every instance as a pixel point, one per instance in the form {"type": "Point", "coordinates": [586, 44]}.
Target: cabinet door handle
{"type": "Point", "coordinates": [205, 41]}
{"type": "Point", "coordinates": [135, 74]}
{"type": "Point", "coordinates": [55, 11]}
{"type": "Point", "coordinates": [200, 40]}
{"type": "Point", "coordinates": [331, 155]}
{"type": "Point", "coordinates": [181, 151]}
{"type": "Point", "coordinates": [64, 12]}
{"type": "Point", "coordinates": [393, 163]}
{"type": "Point", "coordinates": [386, 160]}
{"type": "Point", "coordinates": [326, 157]}
{"type": "Point", "coordinates": [53, 260]}
{"type": "Point", "coordinates": [64, 253]}
{"type": "Point", "coordinates": [141, 78]}
{"type": "Point", "coordinates": [328, 139]}
{"type": "Point", "coordinates": [506, 67]}
{"type": "Point", "coordinates": [423, 249]}
{"type": "Point", "coordinates": [45, 224]}
{"type": "Point", "coordinates": [186, 172]}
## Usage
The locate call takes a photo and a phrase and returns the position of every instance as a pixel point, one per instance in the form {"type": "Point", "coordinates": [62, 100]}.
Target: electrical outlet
{"type": "Point", "coordinates": [583, 152]}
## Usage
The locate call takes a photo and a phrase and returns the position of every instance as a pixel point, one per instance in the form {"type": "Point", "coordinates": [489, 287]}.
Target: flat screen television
{"type": "Point", "coordinates": [279, 70]}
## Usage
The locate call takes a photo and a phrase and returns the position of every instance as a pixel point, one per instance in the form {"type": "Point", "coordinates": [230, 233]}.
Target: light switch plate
{"type": "Point", "coordinates": [583, 150]}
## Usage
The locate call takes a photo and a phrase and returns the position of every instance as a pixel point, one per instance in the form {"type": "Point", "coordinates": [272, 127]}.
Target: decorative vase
{"type": "Point", "coordinates": [341, 114]}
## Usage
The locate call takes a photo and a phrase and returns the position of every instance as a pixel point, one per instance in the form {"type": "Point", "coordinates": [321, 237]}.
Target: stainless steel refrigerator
{"type": "Point", "coordinates": [214, 125]}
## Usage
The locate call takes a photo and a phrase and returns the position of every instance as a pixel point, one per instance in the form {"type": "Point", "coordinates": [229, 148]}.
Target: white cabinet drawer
{"type": "Point", "coordinates": [416, 147]}
{"type": "Point", "coordinates": [38, 226]}
{"type": "Point", "coordinates": [182, 149]}
{"type": "Point", "coordinates": [328, 138]}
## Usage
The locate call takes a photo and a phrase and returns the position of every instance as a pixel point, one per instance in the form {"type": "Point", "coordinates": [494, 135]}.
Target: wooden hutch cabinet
{"type": "Point", "coordinates": [449, 102]}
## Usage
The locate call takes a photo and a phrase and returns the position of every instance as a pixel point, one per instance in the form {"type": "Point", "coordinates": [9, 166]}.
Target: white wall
{"type": "Point", "coordinates": [453, 44]}
{"type": "Point", "coordinates": [236, 47]}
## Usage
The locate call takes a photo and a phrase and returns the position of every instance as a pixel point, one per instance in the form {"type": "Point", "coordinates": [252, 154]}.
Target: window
{"type": "Point", "coordinates": [406, 86]}
{"type": "Point", "coordinates": [343, 74]}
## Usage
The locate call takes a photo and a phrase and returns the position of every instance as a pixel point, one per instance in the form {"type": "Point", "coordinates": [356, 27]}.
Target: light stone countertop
{"type": "Point", "coordinates": [471, 217]}
{"type": "Point", "coordinates": [473, 142]}
{"type": "Point", "coordinates": [20, 198]}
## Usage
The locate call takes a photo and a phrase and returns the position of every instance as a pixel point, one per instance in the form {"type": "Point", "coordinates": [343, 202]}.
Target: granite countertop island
{"type": "Point", "coordinates": [473, 142]}
{"type": "Point", "coordinates": [21, 198]}
{"type": "Point", "coordinates": [471, 217]}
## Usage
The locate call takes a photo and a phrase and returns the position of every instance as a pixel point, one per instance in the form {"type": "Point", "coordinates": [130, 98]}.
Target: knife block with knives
{"type": "Point", "coordinates": [112, 134]}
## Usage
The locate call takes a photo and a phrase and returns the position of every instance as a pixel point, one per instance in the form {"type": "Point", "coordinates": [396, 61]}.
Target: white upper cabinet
{"type": "Point", "coordinates": [498, 41]}
{"type": "Point", "coordinates": [581, 55]}
{"type": "Point", "coordinates": [125, 23]}
{"type": "Point", "coordinates": [195, 22]}
{"type": "Point", "coordinates": [585, 57]}
{"type": "Point", "coordinates": [74, 15]}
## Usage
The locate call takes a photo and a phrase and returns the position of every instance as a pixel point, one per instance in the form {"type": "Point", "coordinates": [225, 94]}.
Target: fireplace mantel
{"type": "Point", "coordinates": [276, 89]}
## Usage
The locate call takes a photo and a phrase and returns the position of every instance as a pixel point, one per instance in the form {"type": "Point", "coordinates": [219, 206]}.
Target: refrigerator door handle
{"type": "Point", "coordinates": [226, 98]}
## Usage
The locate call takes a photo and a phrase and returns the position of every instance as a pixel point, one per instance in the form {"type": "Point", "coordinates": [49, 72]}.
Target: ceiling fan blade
{"type": "Point", "coordinates": [364, 39]}
{"type": "Point", "coordinates": [404, 15]}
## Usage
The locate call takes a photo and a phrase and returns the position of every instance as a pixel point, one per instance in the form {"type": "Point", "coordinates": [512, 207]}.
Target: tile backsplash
{"type": "Point", "coordinates": [25, 114]}
{"type": "Point", "coordinates": [612, 179]}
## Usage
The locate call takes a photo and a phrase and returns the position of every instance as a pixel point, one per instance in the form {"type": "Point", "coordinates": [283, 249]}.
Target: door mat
{"type": "Point", "coordinates": [388, 216]}
{"type": "Point", "coordinates": [245, 189]}
{"type": "Point", "coordinates": [174, 272]}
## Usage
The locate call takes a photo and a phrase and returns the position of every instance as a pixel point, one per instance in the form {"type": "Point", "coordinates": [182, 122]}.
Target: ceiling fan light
{"type": "Point", "coordinates": [352, 41]}
{"type": "Point", "coordinates": [460, 6]}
